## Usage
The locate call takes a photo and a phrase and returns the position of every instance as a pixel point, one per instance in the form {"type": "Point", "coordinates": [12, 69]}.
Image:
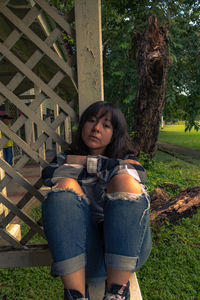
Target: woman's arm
{"type": "Point", "coordinates": [47, 172]}
{"type": "Point", "coordinates": [105, 168]}
{"type": "Point", "coordinates": [100, 166]}
{"type": "Point", "coordinates": [76, 159]}
{"type": "Point", "coordinates": [58, 168]}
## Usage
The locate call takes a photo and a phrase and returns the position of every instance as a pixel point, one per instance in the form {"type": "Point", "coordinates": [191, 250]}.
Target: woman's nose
{"type": "Point", "coordinates": [97, 126]}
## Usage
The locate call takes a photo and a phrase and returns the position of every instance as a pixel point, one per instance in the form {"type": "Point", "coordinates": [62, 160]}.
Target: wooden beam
{"type": "Point", "coordinates": [89, 52]}
{"type": "Point", "coordinates": [32, 257]}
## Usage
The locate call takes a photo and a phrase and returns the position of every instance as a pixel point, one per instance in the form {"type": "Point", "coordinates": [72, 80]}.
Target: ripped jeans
{"type": "Point", "coordinates": [76, 240]}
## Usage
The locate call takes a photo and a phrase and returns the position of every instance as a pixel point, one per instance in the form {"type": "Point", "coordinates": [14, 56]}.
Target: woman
{"type": "Point", "coordinates": [96, 218]}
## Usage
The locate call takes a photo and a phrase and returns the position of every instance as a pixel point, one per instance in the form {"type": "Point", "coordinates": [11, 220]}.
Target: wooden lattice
{"type": "Point", "coordinates": [32, 56]}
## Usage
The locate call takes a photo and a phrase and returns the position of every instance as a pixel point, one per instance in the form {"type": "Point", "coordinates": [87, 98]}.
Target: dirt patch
{"type": "Point", "coordinates": [173, 149]}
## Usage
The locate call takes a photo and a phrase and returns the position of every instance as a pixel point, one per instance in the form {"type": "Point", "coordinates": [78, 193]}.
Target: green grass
{"type": "Point", "coordinates": [172, 271]}
{"type": "Point", "coordinates": [175, 134]}
{"type": "Point", "coordinates": [29, 283]}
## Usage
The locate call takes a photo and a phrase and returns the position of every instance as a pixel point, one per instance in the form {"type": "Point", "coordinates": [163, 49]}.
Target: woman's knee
{"type": "Point", "coordinates": [69, 183]}
{"type": "Point", "coordinates": [124, 183]}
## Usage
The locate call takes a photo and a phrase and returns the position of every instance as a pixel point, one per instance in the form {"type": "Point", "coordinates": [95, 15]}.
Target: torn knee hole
{"type": "Point", "coordinates": [123, 196]}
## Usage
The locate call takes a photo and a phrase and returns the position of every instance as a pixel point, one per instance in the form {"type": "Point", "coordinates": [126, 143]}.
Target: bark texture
{"type": "Point", "coordinates": [164, 208]}
{"type": "Point", "coordinates": [152, 62]}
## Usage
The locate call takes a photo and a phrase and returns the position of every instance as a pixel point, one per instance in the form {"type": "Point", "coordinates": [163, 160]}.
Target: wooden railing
{"type": "Point", "coordinates": [32, 56]}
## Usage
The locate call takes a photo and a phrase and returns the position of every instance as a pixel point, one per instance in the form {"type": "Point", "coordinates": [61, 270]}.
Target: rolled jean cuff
{"type": "Point", "coordinates": [68, 266]}
{"type": "Point", "coordinates": [121, 262]}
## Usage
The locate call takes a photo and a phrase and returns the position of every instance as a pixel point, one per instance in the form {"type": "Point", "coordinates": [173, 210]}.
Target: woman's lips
{"type": "Point", "coordinates": [94, 138]}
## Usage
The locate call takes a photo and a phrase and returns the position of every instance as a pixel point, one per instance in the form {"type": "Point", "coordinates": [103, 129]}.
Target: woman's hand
{"type": "Point", "coordinates": [76, 159]}
{"type": "Point", "coordinates": [130, 161]}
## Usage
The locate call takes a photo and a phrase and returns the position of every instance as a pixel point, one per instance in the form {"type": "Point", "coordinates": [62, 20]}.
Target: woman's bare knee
{"type": "Point", "coordinates": [69, 183]}
{"type": "Point", "coordinates": [124, 183]}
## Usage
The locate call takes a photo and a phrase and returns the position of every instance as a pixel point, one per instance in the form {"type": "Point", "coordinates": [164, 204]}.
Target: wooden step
{"type": "Point", "coordinates": [96, 289]}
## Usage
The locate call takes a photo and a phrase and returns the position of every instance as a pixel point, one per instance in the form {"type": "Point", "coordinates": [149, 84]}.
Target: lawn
{"type": "Point", "coordinates": [172, 271]}
{"type": "Point", "coordinates": [175, 134]}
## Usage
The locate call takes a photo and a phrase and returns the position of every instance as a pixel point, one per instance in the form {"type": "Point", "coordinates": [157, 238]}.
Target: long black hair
{"type": "Point", "coordinates": [119, 145]}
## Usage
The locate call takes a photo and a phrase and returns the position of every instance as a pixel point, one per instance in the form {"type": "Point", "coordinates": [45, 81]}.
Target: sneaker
{"type": "Point", "coordinates": [73, 294]}
{"type": "Point", "coordinates": [118, 292]}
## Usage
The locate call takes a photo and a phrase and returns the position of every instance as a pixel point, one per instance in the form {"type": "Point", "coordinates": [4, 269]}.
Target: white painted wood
{"type": "Point", "coordinates": [46, 89]}
{"type": "Point", "coordinates": [21, 180]}
{"type": "Point", "coordinates": [38, 42]}
{"type": "Point", "coordinates": [15, 34]}
{"type": "Point", "coordinates": [134, 288]}
{"type": "Point", "coordinates": [37, 92]}
{"type": "Point", "coordinates": [58, 19]}
{"type": "Point", "coordinates": [32, 61]}
{"type": "Point", "coordinates": [89, 52]}
{"type": "Point", "coordinates": [68, 130]}
{"type": "Point", "coordinates": [18, 141]}
{"type": "Point", "coordinates": [22, 215]}
{"type": "Point", "coordinates": [96, 289]}
{"type": "Point", "coordinates": [29, 113]}
{"type": "Point", "coordinates": [29, 132]}
{"type": "Point", "coordinates": [24, 200]}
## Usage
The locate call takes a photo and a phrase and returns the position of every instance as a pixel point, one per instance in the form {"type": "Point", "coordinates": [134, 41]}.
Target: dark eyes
{"type": "Point", "coordinates": [93, 120]}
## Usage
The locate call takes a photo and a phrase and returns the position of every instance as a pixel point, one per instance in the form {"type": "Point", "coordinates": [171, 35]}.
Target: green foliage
{"type": "Point", "coordinates": [122, 24]}
{"type": "Point", "coordinates": [193, 109]}
{"type": "Point", "coordinates": [63, 6]}
{"type": "Point", "coordinates": [123, 21]}
{"type": "Point", "coordinates": [118, 69]}
{"type": "Point", "coordinates": [145, 160]}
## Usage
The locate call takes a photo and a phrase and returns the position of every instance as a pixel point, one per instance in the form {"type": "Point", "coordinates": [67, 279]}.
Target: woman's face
{"type": "Point", "coordinates": [97, 133]}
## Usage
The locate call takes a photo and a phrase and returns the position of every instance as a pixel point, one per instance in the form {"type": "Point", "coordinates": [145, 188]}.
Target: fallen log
{"type": "Point", "coordinates": [184, 204]}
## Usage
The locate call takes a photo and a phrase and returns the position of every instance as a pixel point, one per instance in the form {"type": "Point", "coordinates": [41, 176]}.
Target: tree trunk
{"type": "Point", "coordinates": [152, 62]}
{"type": "Point", "coordinates": [184, 204]}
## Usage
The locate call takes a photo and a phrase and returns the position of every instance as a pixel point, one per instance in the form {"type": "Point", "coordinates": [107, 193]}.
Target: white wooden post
{"type": "Point", "coordinates": [89, 52]}
{"type": "Point", "coordinates": [29, 132]}
{"type": "Point", "coordinates": [40, 115]}
{"type": "Point", "coordinates": [90, 85]}
{"type": "Point", "coordinates": [68, 130]}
